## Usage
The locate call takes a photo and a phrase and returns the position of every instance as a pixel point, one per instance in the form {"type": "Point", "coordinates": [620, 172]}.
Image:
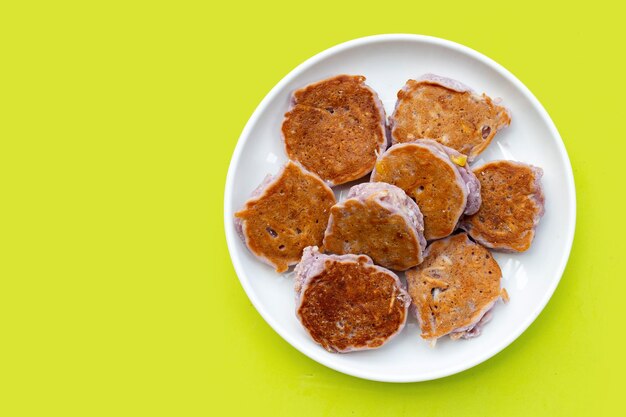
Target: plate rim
{"type": "Point", "coordinates": [318, 355]}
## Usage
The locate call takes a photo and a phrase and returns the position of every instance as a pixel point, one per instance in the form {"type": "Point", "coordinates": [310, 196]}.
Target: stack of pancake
{"type": "Point", "coordinates": [425, 213]}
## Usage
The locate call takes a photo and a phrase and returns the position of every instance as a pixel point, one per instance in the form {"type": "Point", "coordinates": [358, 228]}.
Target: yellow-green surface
{"type": "Point", "coordinates": [117, 123]}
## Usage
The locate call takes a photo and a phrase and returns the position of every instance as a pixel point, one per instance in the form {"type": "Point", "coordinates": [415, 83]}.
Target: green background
{"type": "Point", "coordinates": [117, 123]}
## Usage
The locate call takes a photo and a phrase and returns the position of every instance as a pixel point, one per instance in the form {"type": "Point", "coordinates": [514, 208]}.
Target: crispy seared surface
{"type": "Point", "coordinates": [452, 287]}
{"type": "Point", "coordinates": [368, 228]}
{"type": "Point", "coordinates": [351, 306]}
{"type": "Point", "coordinates": [460, 120]}
{"type": "Point", "coordinates": [431, 181]}
{"type": "Point", "coordinates": [291, 214]}
{"type": "Point", "coordinates": [335, 128]}
{"type": "Point", "coordinates": [511, 206]}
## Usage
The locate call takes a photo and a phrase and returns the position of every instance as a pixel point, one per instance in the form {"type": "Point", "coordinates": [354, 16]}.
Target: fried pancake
{"type": "Point", "coordinates": [285, 214]}
{"type": "Point", "coordinates": [335, 128]}
{"type": "Point", "coordinates": [378, 220]}
{"type": "Point", "coordinates": [347, 303]}
{"type": "Point", "coordinates": [455, 288]}
{"type": "Point", "coordinates": [447, 111]}
{"type": "Point", "coordinates": [513, 203]}
{"type": "Point", "coordinates": [436, 177]}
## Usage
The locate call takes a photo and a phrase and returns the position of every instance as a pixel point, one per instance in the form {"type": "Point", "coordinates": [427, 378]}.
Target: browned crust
{"type": "Point", "coordinates": [370, 229]}
{"type": "Point", "coordinates": [335, 128]}
{"type": "Point", "coordinates": [510, 209]}
{"type": "Point", "coordinates": [454, 285]}
{"type": "Point", "coordinates": [351, 306]}
{"type": "Point", "coordinates": [291, 214]}
{"type": "Point", "coordinates": [461, 120]}
{"type": "Point", "coordinates": [430, 181]}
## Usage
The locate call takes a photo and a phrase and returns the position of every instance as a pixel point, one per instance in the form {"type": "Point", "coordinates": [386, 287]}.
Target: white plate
{"type": "Point", "coordinates": [388, 61]}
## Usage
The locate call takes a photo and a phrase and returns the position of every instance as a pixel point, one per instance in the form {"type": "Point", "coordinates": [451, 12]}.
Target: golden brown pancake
{"type": "Point", "coordinates": [285, 215]}
{"type": "Point", "coordinates": [512, 205]}
{"type": "Point", "coordinates": [347, 303]}
{"type": "Point", "coordinates": [449, 112]}
{"type": "Point", "coordinates": [378, 220]}
{"type": "Point", "coordinates": [427, 173]}
{"type": "Point", "coordinates": [454, 288]}
{"type": "Point", "coordinates": [335, 128]}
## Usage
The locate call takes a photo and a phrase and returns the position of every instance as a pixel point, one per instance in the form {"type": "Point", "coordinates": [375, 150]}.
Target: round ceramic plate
{"type": "Point", "coordinates": [388, 61]}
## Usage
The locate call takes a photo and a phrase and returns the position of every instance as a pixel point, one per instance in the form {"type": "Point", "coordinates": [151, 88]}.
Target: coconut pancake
{"type": "Point", "coordinates": [347, 303]}
{"type": "Point", "coordinates": [379, 220]}
{"type": "Point", "coordinates": [455, 288]}
{"type": "Point", "coordinates": [513, 203]}
{"type": "Point", "coordinates": [335, 128]}
{"type": "Point", "coordinates": [437, 177]}
{"type": "Point", "coordinates": [447, 111]}
{"type": "Point", "coordinates": [286, 213]}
